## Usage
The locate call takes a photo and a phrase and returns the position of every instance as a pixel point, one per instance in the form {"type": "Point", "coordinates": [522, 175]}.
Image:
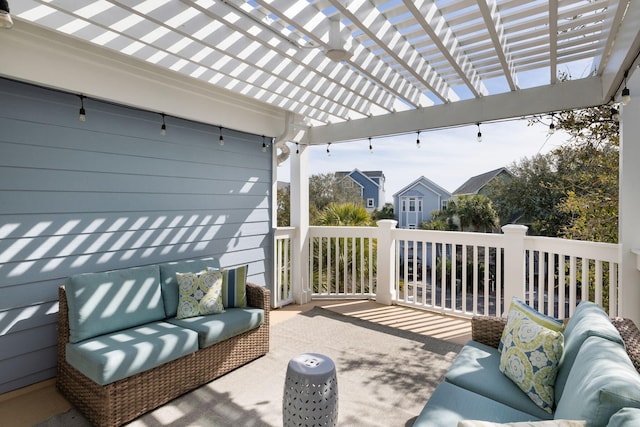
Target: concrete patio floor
{"type": "Point", "coordinates": [37, 403]}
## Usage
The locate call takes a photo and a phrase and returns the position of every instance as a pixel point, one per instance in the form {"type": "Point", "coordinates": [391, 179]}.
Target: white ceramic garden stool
{"type": "Point", "coordinates": [310, 392]}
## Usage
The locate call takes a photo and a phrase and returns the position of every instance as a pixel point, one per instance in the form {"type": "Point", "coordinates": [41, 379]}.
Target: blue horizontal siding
{"type": "Point", "coordinates": [112, 193]}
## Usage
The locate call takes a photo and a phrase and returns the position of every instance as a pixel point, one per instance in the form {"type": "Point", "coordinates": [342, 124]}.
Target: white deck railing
{"type": "Point", "coordinates": [283, 286]}
{"type": "Point", "coordinates": [451, 272]}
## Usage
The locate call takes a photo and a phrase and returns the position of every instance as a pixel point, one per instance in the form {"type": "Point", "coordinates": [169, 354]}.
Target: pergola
{"type": "Point", "coordinates": [318, 71]}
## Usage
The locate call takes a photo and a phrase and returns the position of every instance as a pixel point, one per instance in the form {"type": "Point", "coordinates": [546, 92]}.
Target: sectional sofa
{"type": "Point", "coordinates": [122, 350]}
{"type": "Point", "coordinates": [596, 379]}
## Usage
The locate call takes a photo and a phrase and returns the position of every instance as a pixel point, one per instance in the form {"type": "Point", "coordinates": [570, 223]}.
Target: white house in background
{"type": "Point", "coordinates": [369, 183]}
{"type": "Point", "coordinates": [415, 202]}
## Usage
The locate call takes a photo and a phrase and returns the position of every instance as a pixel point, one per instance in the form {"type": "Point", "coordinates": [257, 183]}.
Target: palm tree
{"type": "Point", "coordinates": [344, 214]}
{"type": "Point", "coordinates": [348, 250]}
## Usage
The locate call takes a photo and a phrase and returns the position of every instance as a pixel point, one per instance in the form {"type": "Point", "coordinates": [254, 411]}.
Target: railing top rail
{"type": "Point", "coordinates": [285, 231]}
{"type": "Point", "coordinates": [321, 231]}
{"type": "Point", "coordinates": [580, 248]}
{"type": "Point", "coordinates": [451, 237]}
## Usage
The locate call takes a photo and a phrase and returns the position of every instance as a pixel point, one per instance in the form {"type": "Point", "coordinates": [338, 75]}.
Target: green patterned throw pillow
{"type": "Point", "coordinates": [199, 293]}
{"type": "Point", "coordinates": [531, 352]}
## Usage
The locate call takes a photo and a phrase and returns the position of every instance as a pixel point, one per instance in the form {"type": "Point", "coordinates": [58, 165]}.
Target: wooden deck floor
{"type": "Point", "coordinates": [36, 403]}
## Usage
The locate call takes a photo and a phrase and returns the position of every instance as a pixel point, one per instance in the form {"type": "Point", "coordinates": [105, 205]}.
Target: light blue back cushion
{"type": "Point", "coordinates": [626, 417]}
{"type": "Point", "coordinates": [601, 382]}
{"type": "Point", "coordinates": [169, 282]}
{"type": "Point", "coordinates": [100, 303]}
{"type": "Point", "coordinates": [589, 319]}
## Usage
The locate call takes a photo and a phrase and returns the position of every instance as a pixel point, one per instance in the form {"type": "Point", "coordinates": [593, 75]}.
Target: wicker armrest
{"type": "Point", "coordinates": [631, 337]}
{"type": "Point", "coordinates": [258, 296]}
{"type": "Point", "coordinates": [487, 329]}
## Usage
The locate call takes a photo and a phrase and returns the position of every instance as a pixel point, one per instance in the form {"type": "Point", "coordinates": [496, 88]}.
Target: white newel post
{"type": "Point", "coordinates": [514, 263]}
{"type": "Point", "coordinates": [385, 290]}
{"type": "Point", "coordinates": [629, 220]}
{"type": "Point", "coordinates": [299, 188]}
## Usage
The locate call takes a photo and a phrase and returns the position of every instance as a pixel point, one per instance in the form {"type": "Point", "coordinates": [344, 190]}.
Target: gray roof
{"type": "Point", "coordinates": [370, 174]}
{"type": "Point", "coordinates": [474, 184]}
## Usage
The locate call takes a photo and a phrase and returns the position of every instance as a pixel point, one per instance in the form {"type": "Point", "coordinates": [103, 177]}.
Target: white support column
{"type": "Point", "coordinates": [629, 211]}
{"type": "Point", "coordinates": [299, 197]}
{"type": "Point", "coordinates": [513, 263]}
{"type": "Point", "coordinates": [386, 272]}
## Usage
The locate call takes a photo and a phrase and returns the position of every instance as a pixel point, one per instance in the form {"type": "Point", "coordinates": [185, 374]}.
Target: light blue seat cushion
{"type": "Point", "coordinates": [214, 328]}
{"type": "Point", "coordinates": [625, 417]}
{"type": "Point", "coordinates": [476, 369]}
{"type": "Point", "coordinates": [169, 282]}
{"type": "Point", "coordinates": [449, 404]}
{"type": "Point", "coordinates": [589, 319]}
{"type": "Point", "coordinates": [601, 382]}
{"type": "Point", "coordinates": [118, 355]}
{"type": "Point", "coordinates": [105, 302]}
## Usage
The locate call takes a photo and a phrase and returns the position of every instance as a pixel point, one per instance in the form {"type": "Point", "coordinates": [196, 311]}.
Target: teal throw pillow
{"type": "Point", "coordinates": [199, 294]}
{"type": "Point", "coordinates": [531, 352]}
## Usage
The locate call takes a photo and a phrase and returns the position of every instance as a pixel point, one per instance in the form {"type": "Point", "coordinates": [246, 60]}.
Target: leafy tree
{"type": "Point", "coordinates": [592, 162]}
{"type": "Point", "coordinates": [325, 189]}
{"type": "Point", "coordinates": [385, 213]}
{"type": "Point", "coordinates": [474, 212]}
{"type": "Point", "coordinates": [532, 196]}
{"type": "Point", "coordinates": [284, 207]}
{"type": "Point", "coordinates": [572, 191]}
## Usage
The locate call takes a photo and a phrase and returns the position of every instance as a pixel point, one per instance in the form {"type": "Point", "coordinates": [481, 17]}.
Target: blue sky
{"type": "Point", "coordinates": [448, 157]}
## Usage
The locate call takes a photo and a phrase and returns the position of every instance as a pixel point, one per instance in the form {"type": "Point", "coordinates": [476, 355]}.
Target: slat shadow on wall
{"type": "Point", "coordinates": [112, 193]}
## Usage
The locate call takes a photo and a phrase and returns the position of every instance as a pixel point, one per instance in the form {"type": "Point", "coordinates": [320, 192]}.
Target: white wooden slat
{"type": "Point", "coordinates": [370, 21]}
{"type": "Point", "coordinates": [362, 59]}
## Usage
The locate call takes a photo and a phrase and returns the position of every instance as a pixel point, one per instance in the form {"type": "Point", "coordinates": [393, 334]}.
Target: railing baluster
{"type": "Point", "coordinates": [561, 287]}
{"type": "Point", "coordinates": [572, 284]}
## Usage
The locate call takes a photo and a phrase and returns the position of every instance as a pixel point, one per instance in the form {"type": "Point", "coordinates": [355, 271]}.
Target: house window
{"type": "Point", "coordinates": [404, 205]}
{"type": "Point", "coordinates": [370, 203]}
{"type": "Point", "coordinates": [412, 204]}
{"type": "Point", "coordinates": [445, 204]}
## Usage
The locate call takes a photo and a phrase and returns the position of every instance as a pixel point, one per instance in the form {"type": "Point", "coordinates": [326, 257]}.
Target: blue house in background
{"type": "Point", "coordinates": [415, 202]}
{"type": "Point", "coordinates": [370, 184]}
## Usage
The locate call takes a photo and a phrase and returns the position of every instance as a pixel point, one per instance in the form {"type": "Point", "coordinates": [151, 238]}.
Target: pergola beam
{"type": "Point", "coordinates": [525, 102]}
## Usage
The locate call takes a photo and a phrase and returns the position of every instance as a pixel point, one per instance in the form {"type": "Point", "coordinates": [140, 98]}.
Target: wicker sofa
{"type": "Point", "coordinates": [597, 379]}
{"type": "Point", "coordinates": [134, 361]}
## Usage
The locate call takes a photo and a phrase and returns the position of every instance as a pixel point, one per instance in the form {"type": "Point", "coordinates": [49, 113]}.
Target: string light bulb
{"type": "Point", "coordinates": [163, 128]}
{"type": "Point", "coordinates": [418, 140]}
{"type": "Point", "coordinates": [479, 136]}
{"type": "Point", "coordinates": [83, 114]}
{"type": "Point", "coordinates": [552, 126]}
{"type": "Point", "coordinates": [626, 93]}
{"type": "Point", "coordinates": [328, 151]}
{"type": "Point", "coordinates": [264, 144]}
{"type": "Point", "coordinates": [221, 139]}
{"type": "Point", "coordinates": [5, 17]}
{"type": "Point", "coordinates": [370, 146]}
{"type": "Point", "coordinates": [615, 114]}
